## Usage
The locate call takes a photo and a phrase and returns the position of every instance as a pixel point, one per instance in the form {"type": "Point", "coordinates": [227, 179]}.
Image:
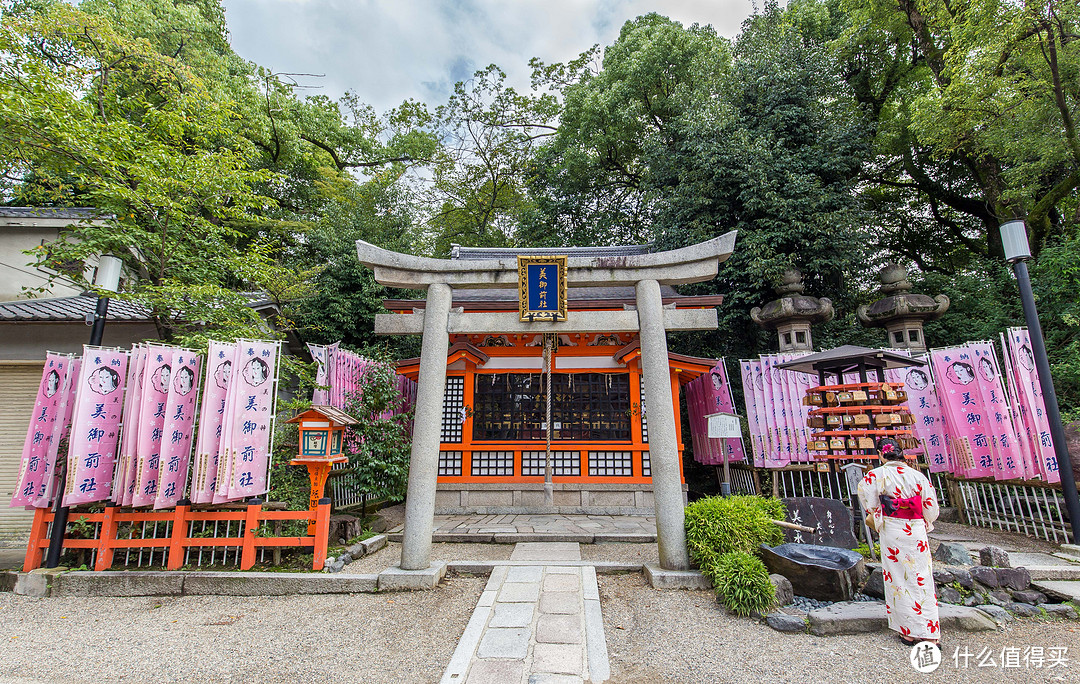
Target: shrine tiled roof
{"type": "Point", "coordinates": [460, 252]}
{"type": "Point", "coordinates": [48, 212]}
{"type": "Point", "coordinates": [74, 308]}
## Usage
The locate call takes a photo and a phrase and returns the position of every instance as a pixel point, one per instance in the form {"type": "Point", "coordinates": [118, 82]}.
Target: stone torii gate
{"type": "Point", "coordinates": [651, 320]}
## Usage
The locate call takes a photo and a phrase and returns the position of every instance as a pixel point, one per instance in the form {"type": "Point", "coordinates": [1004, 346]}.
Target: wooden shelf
{"type": "Point", "coordinates": [855, 386]}
{"type": "Point", "coordinates": [825, 410]}
{"type": "Point", "coordinates": [858, 433]}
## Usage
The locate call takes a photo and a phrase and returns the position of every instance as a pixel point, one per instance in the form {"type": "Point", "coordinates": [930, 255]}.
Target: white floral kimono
{"type": "Point", "coordinates": [910, 599]}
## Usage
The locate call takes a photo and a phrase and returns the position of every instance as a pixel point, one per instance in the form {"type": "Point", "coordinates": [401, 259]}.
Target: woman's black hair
{"type": "Point", "coordinates": [895, 453]}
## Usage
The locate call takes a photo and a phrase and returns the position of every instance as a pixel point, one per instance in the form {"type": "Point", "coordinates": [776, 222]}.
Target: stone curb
{"type": "Point", "coordinates": [187, 583]}
{"type": "Point", "coordinates": [487, 567]}
{"type": "Point", "coordinates": [516, 537]}
{"type": "Point", "coordinates": [869, 616]}
{"type": "Point", "coordinates": [1054, 572]}
{"type": "Point", "coordinates": [357, 550]}
{"type": "Point", "coordinates": [675, 579]}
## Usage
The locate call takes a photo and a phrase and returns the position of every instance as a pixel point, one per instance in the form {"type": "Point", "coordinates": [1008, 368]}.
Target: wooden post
{"type": "Point", "coordinates": [251, 526]}
{"type": "Point", "coordinates": [322, 533]}
{"type": "Point", "coordinates": [956, 498]}
{"type": "Point", "coordinates": [38, 531]}
{"type": "Point", "coordinates": [106, 537]}
{"type": "Point", "coordinates": [178, 540]}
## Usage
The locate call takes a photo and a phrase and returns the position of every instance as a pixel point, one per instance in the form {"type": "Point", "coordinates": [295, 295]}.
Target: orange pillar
{"type": "Point", "coordinates": [38, 530]}
{"type": "Point", "coordinates": [106, 537]}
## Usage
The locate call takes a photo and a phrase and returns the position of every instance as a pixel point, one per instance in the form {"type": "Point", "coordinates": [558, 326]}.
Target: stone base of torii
{"type": "Point", "coordinates": [651, 320]}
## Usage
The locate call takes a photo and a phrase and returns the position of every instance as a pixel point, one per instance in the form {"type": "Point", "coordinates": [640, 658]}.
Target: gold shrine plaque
{"type": "Point", "coordinates": [542, 288]}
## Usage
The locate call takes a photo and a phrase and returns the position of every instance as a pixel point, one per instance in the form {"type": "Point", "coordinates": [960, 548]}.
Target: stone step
{"type": "Point", "coordinates": [485, 567]}
{"type": "Point", "coordinates": [854, 617]}
{"type": "Point", "coordinates": [1063, 589]}
{"type": "Point", "coordinates": [1054, 572]}
{"type": "Point", "coordinates": [519, 537]}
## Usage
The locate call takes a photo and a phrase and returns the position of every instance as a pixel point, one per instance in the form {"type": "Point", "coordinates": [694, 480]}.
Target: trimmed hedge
{"type": "Point", "coordinates": [719, 525]}
{"type": "Point", "coordinates": [742, 583]}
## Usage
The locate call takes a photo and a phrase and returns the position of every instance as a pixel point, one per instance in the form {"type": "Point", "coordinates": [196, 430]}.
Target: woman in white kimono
{"type": "Point", "coordinates": [901, 506]}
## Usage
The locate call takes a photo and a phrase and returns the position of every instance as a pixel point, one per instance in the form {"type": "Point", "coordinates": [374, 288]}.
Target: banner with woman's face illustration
{"type": "Point", "coordinates": [156, 379]}
{"type": "Point", "coordinates": [968, 420]}
{"type": "Point", "coordinates": [179, 428]}
{"type": "Point", "coordinates": [95, 430]}
{"type": "Point", "coordinates": [124, 480]}
{"type": "Point", "coordinates": [254, 384]}
{"type": "Point", "coordinates": [43, 434]}
{"type": "Point", "coordinates": [218, 372]}
{"type": "Point", "coordinates": [1036, 424]}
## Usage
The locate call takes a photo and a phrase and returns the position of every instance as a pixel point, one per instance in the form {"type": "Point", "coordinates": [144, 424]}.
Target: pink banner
{"type": "Point", "coordinates": [220, 482]}
{"type": "Point", "coordinates": [753, 416]}
{"type": "Point", "coordinates": [962, 403]}
{"type": "Point", "coordinates": [44, 433]}
{"type": "Point", "coordinates": [334, 373]}
{"type": "Point", "coordinates": [157, 377]}
{"type": "Point", "coordinates": [1032, 408]}
{"type": "Point", "coordinates": [254, 382]}
{"type": "Point", "coordinates": [1004, 441]}
{"type": "Point", "coordinates": [67, 409]}
{"type": "Point", "coordinates": [775, 415]}
{"type": "Point", "coordinates": [179, 429]}
{"type": "Point", "coordinates": [211, 417]}
{"type": "Point", "coordinates": [124, 477]}
{"type": "Point", "coordinates": [929, 427]}
{"type": "Point", "coordinates": [95, 430]}
{"type": "Point", "coordinates": [1024, 443]}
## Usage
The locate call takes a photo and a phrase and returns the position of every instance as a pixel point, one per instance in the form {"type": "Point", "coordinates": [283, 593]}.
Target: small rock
{"type": "Point", "coordinates": [786, 623]}
{"type": "Point", "coordinates": [875, 584]}
{"type": "Point", "coordinates": [1013, 578]}
{"type": "Point", "coordinates": [994, 557]}
{"type": "Point", "coordinates": [947, 594]}
{"type": "Point", "coordinates": [997, 613]}
{"type": "Point", "coordinates": [338, 566]}
{"type": "Point", "coordinates": [951, 553]}
{"type": "Point", "coordinates": [785, 594]}
{"type": "Point", "coordinates": [346, 558]}
{"type": "Point", "coordinates": [999, 597]}
{"type": "Point", "coordinates": [1023, 610]}
{"type": "Point", "coordinates": [962, 577]}
{"type": "Point", "coordinates": [943, 577]}
{"type": "Point", "coordinates": [1029, 596]}
{"type": "Point", "coordinates": [1062, 610]}
{"type": "Point", "coordinates": [972, 601]}
{"type": "Point", "coordinates": [986, 576]}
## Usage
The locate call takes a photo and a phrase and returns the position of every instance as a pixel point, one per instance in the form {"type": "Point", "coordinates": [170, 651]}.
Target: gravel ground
{"type": "Point", "coordinates": [684, 637]}
{"type": "Point", "coordinates": [620, 552]}
{"type": "Point", "coordinates": [395, 638]}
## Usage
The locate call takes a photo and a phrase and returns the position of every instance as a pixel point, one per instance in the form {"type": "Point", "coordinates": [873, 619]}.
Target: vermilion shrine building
{"type": "Point", "coordinates": [478, 360]}
{"type": "Point", "coordinates": [492, 448]}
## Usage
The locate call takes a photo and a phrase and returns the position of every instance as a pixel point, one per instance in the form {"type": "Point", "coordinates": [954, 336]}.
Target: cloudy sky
{"type": "Point", "coordinates": [386, 51]}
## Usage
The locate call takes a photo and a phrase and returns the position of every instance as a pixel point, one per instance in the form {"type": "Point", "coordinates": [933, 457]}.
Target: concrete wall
{"type": "Point", "coordinates": [15, 269]}
{"type": "Point", "coordinates": [29, 341]}
{"type": "Point", "coordinates": [523, 498]}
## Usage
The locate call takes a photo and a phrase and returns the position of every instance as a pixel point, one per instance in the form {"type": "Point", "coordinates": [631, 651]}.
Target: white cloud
{"type": "Point", "coordinates": [389, 51]}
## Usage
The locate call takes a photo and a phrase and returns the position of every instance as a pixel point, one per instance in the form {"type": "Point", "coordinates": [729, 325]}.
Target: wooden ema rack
{"type": "Point", "coordinates": [845, 401]}
{"type": "Point", "coordinates": [107, 542]}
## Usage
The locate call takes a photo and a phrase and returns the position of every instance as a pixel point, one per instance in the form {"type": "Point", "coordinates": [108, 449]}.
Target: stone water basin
{"type": "Point", "coordinates": [825, 573]}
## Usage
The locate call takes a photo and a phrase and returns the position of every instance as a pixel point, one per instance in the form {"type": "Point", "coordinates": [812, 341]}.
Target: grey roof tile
{"type": "Point", "coordinates": [74, 308]}
{"type": "Point", "coordinates": [49, 212]}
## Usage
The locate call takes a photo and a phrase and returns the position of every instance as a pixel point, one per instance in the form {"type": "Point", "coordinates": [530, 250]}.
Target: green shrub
{"type": "Point", "coordinates": [742, 583]}
{"type": "Point", "coordinates": [719, 525]}
{"type": "Point", "coordinates": [865, 550]}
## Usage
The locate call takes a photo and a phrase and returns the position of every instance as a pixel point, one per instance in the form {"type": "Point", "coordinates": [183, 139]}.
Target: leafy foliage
{"type": "Point", "coordinates": [742, 583]}
{"type": "Point", "coordinates": [719, 525]}
{"type": "Point", "coordinates": [378, 445]}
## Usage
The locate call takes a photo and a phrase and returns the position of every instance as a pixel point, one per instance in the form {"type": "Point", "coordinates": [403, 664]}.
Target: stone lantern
{"type": "Point", "coordinates": [902, 312]}
{"type": "Point", "coordinates": [793, 313]}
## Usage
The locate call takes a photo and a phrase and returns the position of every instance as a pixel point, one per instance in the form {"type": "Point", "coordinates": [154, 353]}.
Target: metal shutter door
{"type": "Point", "coordinates": [18, 388]}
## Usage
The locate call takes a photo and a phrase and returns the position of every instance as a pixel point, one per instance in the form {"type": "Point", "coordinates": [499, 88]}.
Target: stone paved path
{"type": "Point", "coordinates": [583, 528]}
{"type": "Point", "coordinates": [535, 624]}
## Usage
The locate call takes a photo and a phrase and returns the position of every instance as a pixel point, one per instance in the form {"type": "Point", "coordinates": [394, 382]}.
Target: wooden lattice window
{"type": "Point", "coordinates": [493, 463]}
{"type": "Point", "coordinates": [585, 407]}
{"type": "Point", "coordinates": [562, 463]}
{"type": "Point", "coordinates": [450, 463]}
{"type": "Point", "coordinates": [452, 409]}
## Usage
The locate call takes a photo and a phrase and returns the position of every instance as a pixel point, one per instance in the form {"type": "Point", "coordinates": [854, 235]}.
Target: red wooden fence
{"type": "Point", "coordinates": [179, 541]}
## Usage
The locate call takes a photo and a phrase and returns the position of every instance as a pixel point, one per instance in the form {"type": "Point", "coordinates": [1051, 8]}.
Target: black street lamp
{"type": "Point", "coordinates": [1017, 251]}
{"type": "Point", "coordinates": [106, 280]}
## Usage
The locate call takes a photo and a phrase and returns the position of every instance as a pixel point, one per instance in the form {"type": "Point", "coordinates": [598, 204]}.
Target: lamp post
{"type": "Point", "coordinates": [106, 280]}
{"type": "Point", "coordinates": [1017, 251]}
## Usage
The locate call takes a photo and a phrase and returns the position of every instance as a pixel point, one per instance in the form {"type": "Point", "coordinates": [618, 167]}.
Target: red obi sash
{"type": "Point", "coordinates": [907, 509]}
